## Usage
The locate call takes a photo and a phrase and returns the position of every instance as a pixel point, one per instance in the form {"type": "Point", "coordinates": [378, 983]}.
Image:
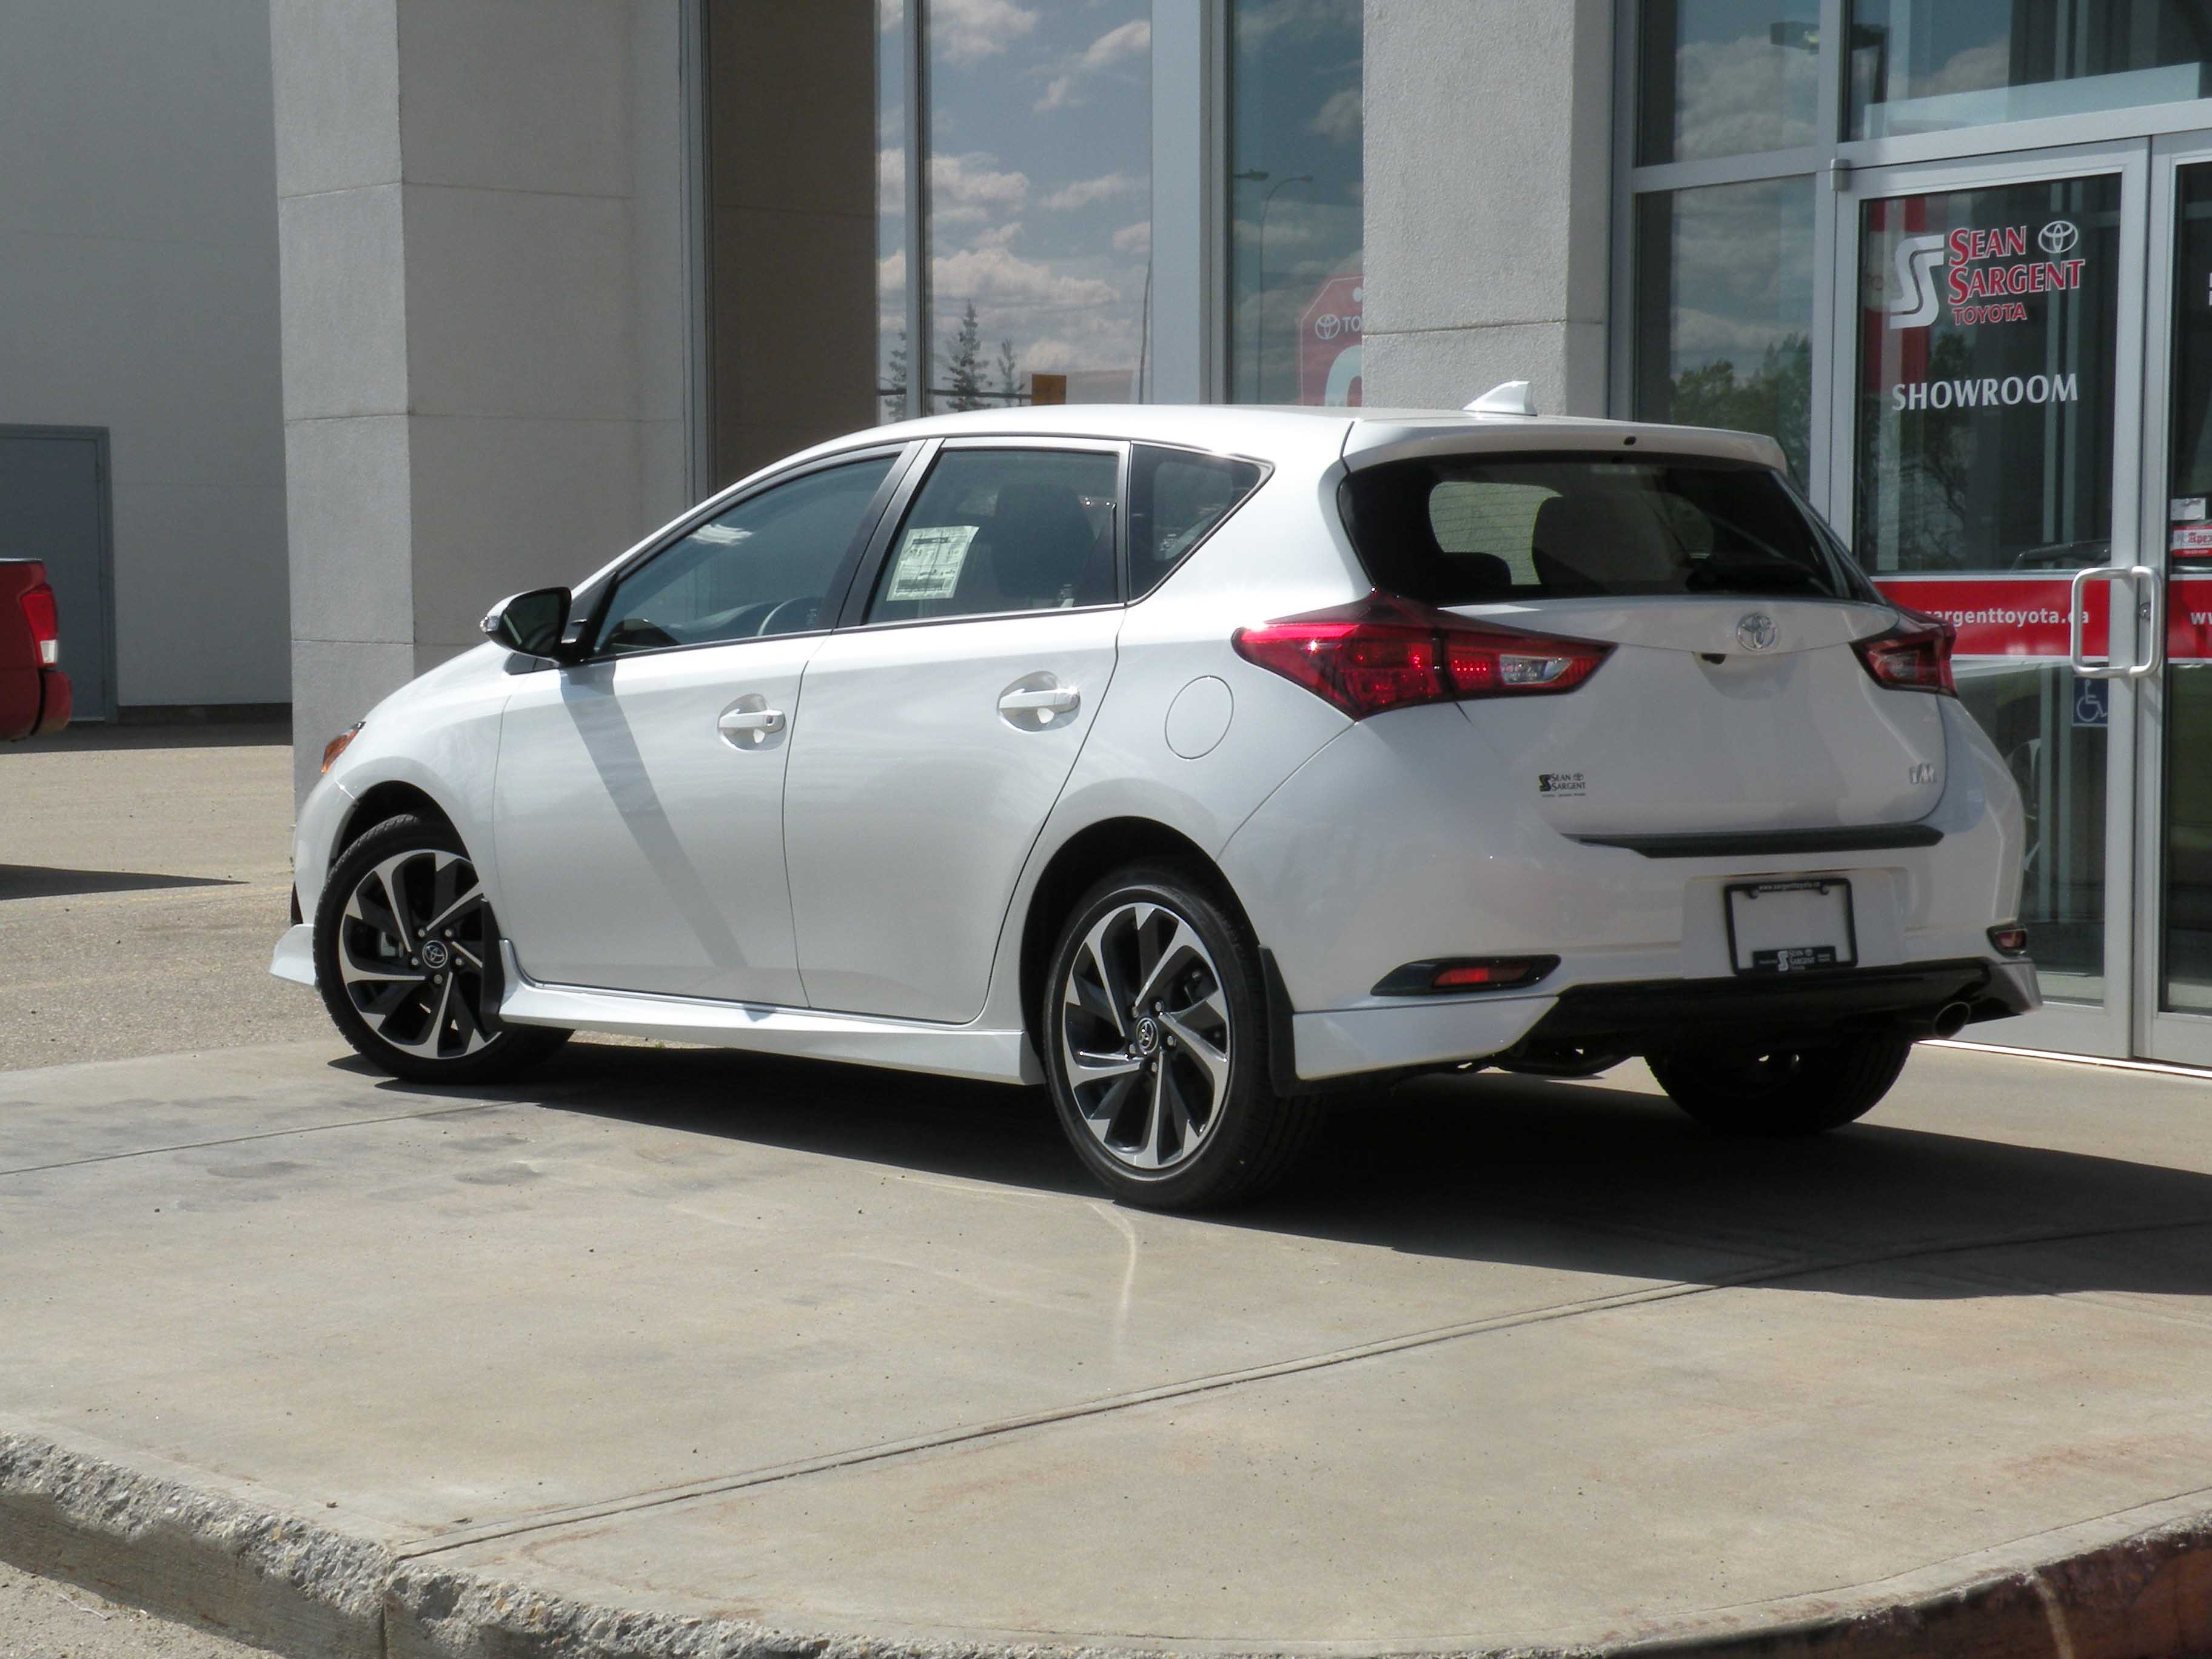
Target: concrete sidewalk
{"type": "Point", "coordinates": [820, 1356]}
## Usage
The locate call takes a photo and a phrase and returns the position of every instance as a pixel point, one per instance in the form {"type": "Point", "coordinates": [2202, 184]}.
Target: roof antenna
{"type": "Point", "coordinates": [1510, 398]}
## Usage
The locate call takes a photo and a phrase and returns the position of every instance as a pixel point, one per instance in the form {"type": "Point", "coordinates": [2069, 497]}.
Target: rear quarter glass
{"type": "Point", "coordinates": [1461, 530]}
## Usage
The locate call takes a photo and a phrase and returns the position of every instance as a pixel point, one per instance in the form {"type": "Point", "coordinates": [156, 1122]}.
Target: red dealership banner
{"type": "Point", "coordinates": [2026, 615]}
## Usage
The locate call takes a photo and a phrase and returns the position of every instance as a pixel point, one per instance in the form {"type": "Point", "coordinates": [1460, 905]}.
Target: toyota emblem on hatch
{"type": "Point", "coordinates": [1756, 632]}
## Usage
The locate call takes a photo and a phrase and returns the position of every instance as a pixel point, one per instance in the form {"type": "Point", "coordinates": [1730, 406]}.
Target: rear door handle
{"type": "Point", "coordinates": [1060, 699]}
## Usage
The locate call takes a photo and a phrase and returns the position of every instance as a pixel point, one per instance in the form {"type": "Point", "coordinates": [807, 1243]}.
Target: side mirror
{"type": "Point", "coordinates": [529, 623]}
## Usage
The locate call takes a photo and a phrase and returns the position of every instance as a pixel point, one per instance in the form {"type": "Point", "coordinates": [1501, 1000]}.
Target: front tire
{"type": "Point", "coordinates": [1782, 1091]}
{"type": "Point", "coordinates": [1156, 1047]}
{"type": "Point", "coordinates": [407, 959]}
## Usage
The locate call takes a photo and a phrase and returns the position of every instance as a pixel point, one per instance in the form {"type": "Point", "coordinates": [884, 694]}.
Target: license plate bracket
{"type": "Point", "coordinates": [1803, 925]}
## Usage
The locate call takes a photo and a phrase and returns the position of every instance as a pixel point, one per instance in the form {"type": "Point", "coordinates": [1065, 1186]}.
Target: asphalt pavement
{"type": "Point", "coordinates": [144, 872]}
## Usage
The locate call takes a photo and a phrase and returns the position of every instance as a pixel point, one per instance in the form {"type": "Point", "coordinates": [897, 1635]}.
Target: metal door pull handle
{"type": "Point", "coordinates": [1058, 698]}
{"type": "Point", "coordinates": [752, 719]}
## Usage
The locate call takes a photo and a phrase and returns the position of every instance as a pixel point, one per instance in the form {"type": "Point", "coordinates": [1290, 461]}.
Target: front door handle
{"type": "Point", "coordinates": [750, 722]}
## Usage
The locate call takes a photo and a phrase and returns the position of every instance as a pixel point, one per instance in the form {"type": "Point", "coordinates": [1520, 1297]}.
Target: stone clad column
{"type": "Point", "coordinates": [1489, 138]}
{"type": "Point", "coordinates": [480, 212]}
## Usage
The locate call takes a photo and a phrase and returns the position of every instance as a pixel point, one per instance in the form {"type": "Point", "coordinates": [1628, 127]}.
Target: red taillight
{"type": "Point", "coordinates": [1914, 656]}
{"type": "Point", "coordinates": [1384, 653]}
{"type": "Point", "coordinates": [45, 624]}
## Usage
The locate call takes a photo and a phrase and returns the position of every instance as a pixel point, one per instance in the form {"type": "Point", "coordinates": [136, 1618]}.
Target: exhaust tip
{"type": "Point", "coordinates": [1951, 1019]}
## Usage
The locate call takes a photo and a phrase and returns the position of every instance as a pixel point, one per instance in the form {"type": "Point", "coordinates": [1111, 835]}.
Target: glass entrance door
{"type": "Point", "coordinates": [1986, 419]}
{"type": "Point", "coordinates": [2173, 950]}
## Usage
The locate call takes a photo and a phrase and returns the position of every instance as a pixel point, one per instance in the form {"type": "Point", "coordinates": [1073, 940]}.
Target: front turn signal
{"type": "Point", "coordinates": [337, 745]}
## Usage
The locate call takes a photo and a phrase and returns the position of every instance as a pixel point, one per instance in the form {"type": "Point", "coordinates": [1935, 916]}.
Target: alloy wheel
{"type": "Point", "coordinates": [415, 943]}
{"type": "Point", "coordinates": [1145, 1036]}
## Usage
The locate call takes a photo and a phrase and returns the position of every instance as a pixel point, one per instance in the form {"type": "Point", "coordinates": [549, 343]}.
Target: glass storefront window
{"type": "Point", "coordinates": [1987, 363]}
{"type": "Point", "coordinates": [890, 208]}
{"type": "Point", "coordinates": [1727, 77]}
{"type": "Point", "coordinates": [2185, 980]}
{"type": "Point", "coordinates": [1039, 202]}
{"type": "Point", "coordinates": [1937, 65]}
{"type": "Point", "coordinates": [1297, 285]}
{"type": "Point", "coordinates": [1724, 310]}
{"type": "Point", "coordinates": [2055, 747]}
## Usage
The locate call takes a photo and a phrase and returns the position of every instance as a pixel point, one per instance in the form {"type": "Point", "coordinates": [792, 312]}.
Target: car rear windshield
{"type": "Point", "coordinates": [1472, 529]}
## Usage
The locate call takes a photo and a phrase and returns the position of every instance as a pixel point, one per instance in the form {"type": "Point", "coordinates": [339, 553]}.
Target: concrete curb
{"type": "Point", "coordinates": [269, 1578]}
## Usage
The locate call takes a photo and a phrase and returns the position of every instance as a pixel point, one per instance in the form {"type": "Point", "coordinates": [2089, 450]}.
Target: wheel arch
{"type": "Point", "coordinates": [1080, 861]}
{"type": "Point", "coordinates": [382, 801]}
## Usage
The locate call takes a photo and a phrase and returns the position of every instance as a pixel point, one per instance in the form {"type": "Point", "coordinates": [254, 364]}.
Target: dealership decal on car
{"type": "Point", "coordinates": [1560, 783]}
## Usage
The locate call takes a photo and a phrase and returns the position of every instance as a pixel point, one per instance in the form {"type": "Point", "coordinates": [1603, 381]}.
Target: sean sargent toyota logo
{"type": "Point", "coordinates": [1980, 273]}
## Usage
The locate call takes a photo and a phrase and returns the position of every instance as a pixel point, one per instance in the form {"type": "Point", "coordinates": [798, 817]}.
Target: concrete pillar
{"type": "Point", "coordinates": [1489, 145]}
{"type": "Point", "coordinates": [480, 211]}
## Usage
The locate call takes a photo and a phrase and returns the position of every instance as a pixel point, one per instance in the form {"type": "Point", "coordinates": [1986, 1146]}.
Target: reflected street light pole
{"type": "Point", "coordinates": [1259, 175]}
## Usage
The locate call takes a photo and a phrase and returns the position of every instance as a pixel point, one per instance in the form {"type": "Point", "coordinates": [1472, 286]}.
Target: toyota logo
{"type": "Point", "coordinates": [1756, 632]}
{"type": "Point", "coordinates": [433, 953]}
{"type": "Point", "coordinates": [1327, 325]}
{"type": "Point", "coordinates": [1148, 1035]}
{"type": "Point", "coordinates": [2057, 238]}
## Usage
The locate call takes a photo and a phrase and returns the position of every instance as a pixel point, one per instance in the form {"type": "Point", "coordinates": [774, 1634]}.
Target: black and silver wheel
{"type": "Point", "coordinates": [1782, 1091]}
{"type": "Point", "coordinates": [1156, 1047]}
{"type": "Point", "coordinates": [407, 959]}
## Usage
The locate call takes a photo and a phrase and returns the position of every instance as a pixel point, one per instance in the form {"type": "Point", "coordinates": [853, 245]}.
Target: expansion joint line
{"type": "Point", "coordinates": [1751, 1279]}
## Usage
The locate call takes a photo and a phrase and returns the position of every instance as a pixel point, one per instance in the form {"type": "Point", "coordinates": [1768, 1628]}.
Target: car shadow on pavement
{"type": "Point", "coordinates": [1576, 1176]}
{"type": "Point", "coordinates": [19, 881]}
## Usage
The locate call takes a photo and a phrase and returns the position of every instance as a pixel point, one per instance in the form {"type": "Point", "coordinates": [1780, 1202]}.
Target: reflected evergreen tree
{"type": "Point", "coordinates": [1776, 399]}
{"type": "Point", "coordinates": [965, 368]}
{"type": "Point", "coordinates": [1009, 375]}
{"type": "Point", "coordinates": [894, 386]}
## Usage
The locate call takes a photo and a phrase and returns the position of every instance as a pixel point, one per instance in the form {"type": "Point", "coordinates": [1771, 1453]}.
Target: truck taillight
{"type": "Point", "coordinates": [1384, 653]}
{"type": "Point", "coordinates": [45, 624]}
{"type": "Point", "coordinates": [1914, 656]}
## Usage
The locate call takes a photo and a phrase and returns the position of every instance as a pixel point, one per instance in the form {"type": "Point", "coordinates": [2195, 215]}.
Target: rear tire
{"type": "Point", "coordinates": [1782, 1091]}
{"type": "Point", "coordinates": [407, 959]}
{"type": "Point", "coordinates": [1155, 1039]}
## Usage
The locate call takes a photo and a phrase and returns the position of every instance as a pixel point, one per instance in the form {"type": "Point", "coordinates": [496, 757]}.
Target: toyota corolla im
{"type": "Point", "coordinates": [1194, 762]}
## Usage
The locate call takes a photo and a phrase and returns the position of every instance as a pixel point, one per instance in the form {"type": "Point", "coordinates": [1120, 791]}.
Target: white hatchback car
{"type": "Point", "coordinates": [1192, 762]}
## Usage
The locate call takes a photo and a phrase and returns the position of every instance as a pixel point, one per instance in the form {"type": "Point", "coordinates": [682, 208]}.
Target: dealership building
{"type": "Point", "coordinates": [377, 310]}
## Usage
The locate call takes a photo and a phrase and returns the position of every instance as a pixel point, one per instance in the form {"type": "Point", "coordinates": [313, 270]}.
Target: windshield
{"type": "Point", "coordinates": [1473, 530]}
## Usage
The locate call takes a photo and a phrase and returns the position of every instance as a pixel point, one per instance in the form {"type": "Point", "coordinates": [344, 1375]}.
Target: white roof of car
{"type": "Point", "coordinates": [1362, 436]}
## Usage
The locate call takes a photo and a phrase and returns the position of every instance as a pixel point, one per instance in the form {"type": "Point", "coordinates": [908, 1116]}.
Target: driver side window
{"type": "Point", "coordinates": [764, 567]}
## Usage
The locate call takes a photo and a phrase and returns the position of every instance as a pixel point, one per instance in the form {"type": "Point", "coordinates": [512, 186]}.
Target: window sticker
{"type": "Point", "coordinates": [930, 558]}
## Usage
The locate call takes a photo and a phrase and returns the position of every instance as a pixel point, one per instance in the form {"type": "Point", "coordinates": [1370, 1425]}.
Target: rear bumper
{"type": "Point", "coordinates": [1406, 839]}
{"type": "Point", "coordinates": [33, 702]}
{"type": "Point", "coordinates": [54, 701]}
{"type": "Point", "coordinates": [1642, 1017]}
{"type": "Point", "coordinates": [1657, 1016]}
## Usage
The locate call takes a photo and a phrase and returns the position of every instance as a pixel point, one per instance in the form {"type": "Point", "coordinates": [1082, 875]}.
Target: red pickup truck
{"type": "Point", "coordinates": [34, 693]}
